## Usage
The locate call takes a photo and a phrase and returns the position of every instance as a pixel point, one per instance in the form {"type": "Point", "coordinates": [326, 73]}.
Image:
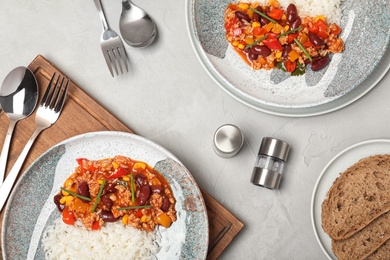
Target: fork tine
{"type": "Point", "coordinates": [61, 100]}
{"type": "Point", "coordinates": [108, 61]}
{"type": "Point", "coordinates": [47, 92]}
{"type": "Point", "coordinates": [123, 58]}
{"type": "Point", "coordinates": [111, 54]}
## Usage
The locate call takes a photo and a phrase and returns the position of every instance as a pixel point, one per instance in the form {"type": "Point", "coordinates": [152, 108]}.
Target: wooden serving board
{"type": "Point", "coordinates": [82, 114]}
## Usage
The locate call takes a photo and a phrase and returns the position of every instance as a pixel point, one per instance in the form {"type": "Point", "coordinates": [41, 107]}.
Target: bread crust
{"type": "Point", "coordinates": [358, 196]}
{"type": "Point", "coordinates": [366, 241]}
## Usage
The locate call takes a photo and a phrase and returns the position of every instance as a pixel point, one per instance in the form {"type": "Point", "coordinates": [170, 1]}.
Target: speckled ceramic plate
{"type": "Point", "coordinates": [30, 208]}
{"type": "Point", "coordinates": [350, 75]}
{"type": "Point", "coordinates": [332, 170]}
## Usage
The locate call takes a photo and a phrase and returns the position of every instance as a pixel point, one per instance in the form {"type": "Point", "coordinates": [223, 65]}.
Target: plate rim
{"type": "Point", "coordinates": [321, 176]}
{"type": "Point", "coordinates": [109, 133]}
{"type": "Point", "coordinates": [378, 73]}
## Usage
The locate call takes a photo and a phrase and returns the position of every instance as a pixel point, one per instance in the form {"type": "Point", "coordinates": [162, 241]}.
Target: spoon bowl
{"type": "Point", "coordinates": [18, 99]}
{"type": "Point", "coordinates": [136, 26]}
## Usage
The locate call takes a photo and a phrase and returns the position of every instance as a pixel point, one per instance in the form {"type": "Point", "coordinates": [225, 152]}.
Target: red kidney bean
{"type": "Point", "coordinates": [261, 50]}
{"type": "Point", "coordinates": [56, 200]}
{"type": "Point", "coordinates": [292, 13]}
{"type": "Point", "coordinates": [286, 51]}
{"type": "Point", "coordinates": [107, 202]}
{"type": "Point", "coordinates": [256, 17]}
{"type": "Point", "coordinates": [141, 180]}
{"type": "Point", "coordinates": [242, 15]}
{"type": "Point", "coordinates": [294, 25]}
{"type": "Point", "coordinates": [110, 188]}
{"type": "Point", "coordinates": [83, 190]}
{"type": "Point", "coordinates": [317, 41]}
{"type": "Point", "coordinates": [107, 216]}
{"type": "Point", "coordinates": [264, 21]}
{"type": "Point", "coordinates": [143, 195]}
{"type": "Point", "coordinates": [165, 204]}
{"type": "Point", "coordinates": [157, 189]}
{"type": "Point", "coordinates": [253, 56]}
{"type": "Point", "coordinates": [319, 63]}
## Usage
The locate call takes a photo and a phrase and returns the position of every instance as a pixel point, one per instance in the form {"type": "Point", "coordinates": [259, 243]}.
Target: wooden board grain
{"type": "Point", "coordinates": [83, 114]}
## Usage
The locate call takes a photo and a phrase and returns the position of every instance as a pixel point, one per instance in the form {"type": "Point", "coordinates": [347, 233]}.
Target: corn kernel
{"type": "Point", "coordinates": [250, 13]}
{"type": "Point", "coordinates": [65, 193]}
{"type": "Point", "coordinates": [273, 3]}
{"type": "Point", "coordinates": [241, 46]}
{"type": "Point", "coordinates": [63, 200]}
{"type": "Point", "coordinates": [286, 28]}
{"type": "Point", "coordinates": [243, 6]}
{"type": "Point", "coordinates": [235, 43]}
{"type": "Point", "coordinates": [256, 24]}
{"type": "Point", "coordinates": [68, 200]}
{"type": "Point", "coordinates": [68, 183]}
{"type": "Point", "coordinates": [126, 178]}
{"type": "Point", "coordinates": [100, 181]}
{"type": "Point", "coordinates": [284, 17]}
{"type": "Point", "coordinates": [139, 166]}
{"type": "Point", "coordinates": [125, 219]}
{"type": "Point", "coordinates": [320, 17]}
{"type": "Point", "coordinates": [249, 40]}
{"type": "Point", "coordinates": [269, 27]}
{"type": "Point", "coordinates": [115, 165]}
{"type": "Point", "coordinates": [146, 218]}
{"type": "Point", "coordinates": [278, 54]}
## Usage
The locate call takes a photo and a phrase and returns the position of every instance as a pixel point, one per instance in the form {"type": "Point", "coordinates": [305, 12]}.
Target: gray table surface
{"type": "Point", "coordinates": [169, 98]}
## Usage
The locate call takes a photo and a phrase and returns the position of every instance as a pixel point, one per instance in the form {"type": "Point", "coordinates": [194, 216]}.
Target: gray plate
{"type": "Point", "coordinates": [349, 76]}
{"type": "Point", "coordinates": [30, 208]}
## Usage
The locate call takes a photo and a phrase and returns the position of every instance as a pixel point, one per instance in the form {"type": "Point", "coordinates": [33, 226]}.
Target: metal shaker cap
{"type": "Point", "coordinates": [228, 140]}
{"type": "Point", "coordinates": [275, 148]}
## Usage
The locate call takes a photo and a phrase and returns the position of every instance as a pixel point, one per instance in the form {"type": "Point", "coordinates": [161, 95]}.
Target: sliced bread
{"type": "Point", "coordinates": [364, 242]}
{"type": "Point", "coordinates": [358, 196]}
{"type": "Point", "coordinates": [381, 253]}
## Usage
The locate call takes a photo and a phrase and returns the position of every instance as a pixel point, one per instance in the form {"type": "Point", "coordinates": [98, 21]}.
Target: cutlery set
{"type": "Point", "coordinates": [137, 29]}
{"type": "Point", "coordinates": [18, 98]}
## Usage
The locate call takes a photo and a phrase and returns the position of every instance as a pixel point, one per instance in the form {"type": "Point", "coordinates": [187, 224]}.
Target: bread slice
{"type": "Point", "coordinates": [381, 253]}
{"type": "Point", "coordinates": [364, 242]}
{"type": "Point", "coordinates": [357, 197]}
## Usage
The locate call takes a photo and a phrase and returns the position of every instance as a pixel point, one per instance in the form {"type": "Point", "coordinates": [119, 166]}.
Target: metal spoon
{"type": "Point", "coordinates": [18, 99]}
{"type": "Point", "coordinates": [136, 26]}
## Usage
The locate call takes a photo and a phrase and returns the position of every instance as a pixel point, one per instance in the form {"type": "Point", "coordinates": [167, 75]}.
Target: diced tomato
{"type": "Point", "coordinates": [291, 37]}
{"type": "Point", "coordinates": [321, 25]}
{"type": "Point", "coordinates": [118, 173]}
{"type": "Point", "coordinates": [138, 214]}
{"type": "Point", "coordinates": [80, 161]}
{"type": "Point", "coordinates": [290, 65]}
{"type": "Point", "coordinates": [230, 24]}
{"type": "Point", "coordinates": [237, 32]}
{"type": "Point", "coordinates": [307, 44]}
{"type": "Point", "coordinates": [276, 13]}
{"type": "Point", "coordinates": [259, 31]}
{"type": "Point", "coordinates": [96, 225]}
{"type": "Point", "coordinates": [273, 44]}
{"type": "Point", "coordinates": [271, 35]}
{"type": "Point", "coordinates": [335, 29]}
{"type": "Point", "coordinates": [322, 34]}
{"type": "Point", "coordinates": [67, 216]}
{"type": "Point", "coordinates": [313, 29]}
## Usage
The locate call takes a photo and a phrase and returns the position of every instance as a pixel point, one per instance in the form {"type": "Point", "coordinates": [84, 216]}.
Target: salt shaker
{"type": "Point", "coordinates": [270, 162]}
{"type": "Point", "coordinates": [228, 140]}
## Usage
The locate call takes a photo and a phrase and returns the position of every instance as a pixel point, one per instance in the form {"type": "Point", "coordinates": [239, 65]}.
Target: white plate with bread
{"type": "Point", "coordinates": [355, 213]}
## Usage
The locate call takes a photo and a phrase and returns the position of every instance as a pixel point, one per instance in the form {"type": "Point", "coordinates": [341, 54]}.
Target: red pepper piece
{"type": "Point", "coordinates": [68, 216]}
{"type": "Point", "coordinates": [290, 65]}
{"type": "Point", "coordinates": [118, 173]}
{"type": "Point", "coordinates": [95, 225]}
{"type": "Point", "coordinates": [273, 44]}
{"type": "Point", "coordinates": [276, 13]}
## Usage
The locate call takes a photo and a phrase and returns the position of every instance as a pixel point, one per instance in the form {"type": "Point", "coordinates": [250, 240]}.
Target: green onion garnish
{"type": "Point", "coordinates": [135, 207]}
{"type": "Point", "coordinates": [132, 187]}
{"type": "Point", "coordinates": [290, 31]}
{"type": "Point", "coordinates": [98, 196]}
{"type": "Point", "coordinates": [264, 15]}
{"type": "Point", "coordinates": [303, 49]}
{"type": "Point", "coordinates": [256, 42]}
{"type": "Point", "coordinates": [76, 195]}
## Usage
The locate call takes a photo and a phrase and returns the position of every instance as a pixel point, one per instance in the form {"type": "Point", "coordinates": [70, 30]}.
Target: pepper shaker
{"type": "Point", "coordinates": [270, 162]}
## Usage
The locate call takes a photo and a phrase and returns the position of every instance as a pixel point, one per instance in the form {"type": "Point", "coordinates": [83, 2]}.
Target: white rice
{"type": "Point", "coordinates": [328, 8]}
{"type": "Point", "coordinates": [112, 241]}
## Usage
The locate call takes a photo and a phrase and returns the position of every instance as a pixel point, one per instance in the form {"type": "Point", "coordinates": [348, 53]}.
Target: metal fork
{"type": "Point", "coordinates": [112, 45]}
{"type": "Point", "coordinates": [47, 114]}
